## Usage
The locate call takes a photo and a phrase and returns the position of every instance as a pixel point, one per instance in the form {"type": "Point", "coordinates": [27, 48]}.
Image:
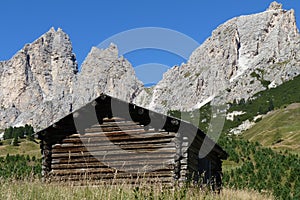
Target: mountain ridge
{"type": "Point", "coordinates": [259, 42]}
{"type": "Point", "coordinates": [41, 83]}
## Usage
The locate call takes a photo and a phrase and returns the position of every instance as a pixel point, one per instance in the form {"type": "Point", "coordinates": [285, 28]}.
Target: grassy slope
{"type": "Point", "coordinates": [25, 148]}
{"type": "Point", "coordinates": [265, 101]}
{"type": "Point", "coordinates": [279, 129]}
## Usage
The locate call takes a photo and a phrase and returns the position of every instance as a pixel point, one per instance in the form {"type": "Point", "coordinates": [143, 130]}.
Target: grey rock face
{"type": "Point", "coordinates": [243, 56]}
{"type": "Point", "coordinates": [103, 71]}
{"type": "Point", "coordinates": [38, 74]}
{"type": "Point", "coordinates": [40, 84]}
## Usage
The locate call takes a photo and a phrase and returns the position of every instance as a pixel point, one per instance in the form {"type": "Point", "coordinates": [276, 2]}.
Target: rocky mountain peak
{"type": "Point", "coordinates": [243, 56]}
{"type": "Point", "coordinates": [275, 6]}
{"type": "Point", "coordinates": [39, 73]}
{"type": "Point", "coordinates": [41, 83]}
{"type": "Point", "coordinates": [103, 71]}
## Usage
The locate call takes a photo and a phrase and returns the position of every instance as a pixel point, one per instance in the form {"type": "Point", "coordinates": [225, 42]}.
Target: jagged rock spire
{"type": "Point", "coordinates": [40, 84]}
{"type": "Point", "coordinates": [275, 6]}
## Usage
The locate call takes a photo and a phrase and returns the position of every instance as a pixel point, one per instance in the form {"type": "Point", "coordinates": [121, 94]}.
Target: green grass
{"type": "Point", "coordinates": [279, 130]}
{"type": "Point", "coordinates": [228, 165]}
{"type": "Point", "coordinates": [25, 147]}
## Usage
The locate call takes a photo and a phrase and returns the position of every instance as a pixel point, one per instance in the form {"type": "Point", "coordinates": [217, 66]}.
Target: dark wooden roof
{"type": "Point", "coordinates": [107, 107]}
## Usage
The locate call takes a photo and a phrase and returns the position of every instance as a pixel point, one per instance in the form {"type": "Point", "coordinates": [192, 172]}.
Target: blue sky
{"type": "Point", "coordinates": [88, 23]}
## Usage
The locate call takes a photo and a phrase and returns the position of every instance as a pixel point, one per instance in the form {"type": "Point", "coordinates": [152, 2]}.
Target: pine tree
{"type": "Point", "coordinates": [271, 105]}
{"type": "Point", "coordinates": [15, 140]}
{"type": "Point", "coordinates": [8, 133]}
{"type": "Point", "coordinates": [29, 132]}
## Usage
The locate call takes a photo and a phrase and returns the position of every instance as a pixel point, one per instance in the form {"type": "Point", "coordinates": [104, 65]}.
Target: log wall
{"type": "Point", "coordinates": [115, 151]}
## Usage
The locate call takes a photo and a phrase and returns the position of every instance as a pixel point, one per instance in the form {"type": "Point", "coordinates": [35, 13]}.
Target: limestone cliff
{"type": "Point", "coordinates": [243, 56]}
{"type": "Point", "coordinates": [38, 74]}
{"type": "Point", "coordinates": [41, 83]}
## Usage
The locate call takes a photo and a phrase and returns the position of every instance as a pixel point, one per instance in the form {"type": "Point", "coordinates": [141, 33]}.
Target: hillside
{"type": "Point", "coordinates": [261, 103]}
{"type": "Point", "coordinates": [279, 129]}
{"type": "Point", "coordinates": [253, 164]}
{"type": "Point", "coordinates": [24, 147]}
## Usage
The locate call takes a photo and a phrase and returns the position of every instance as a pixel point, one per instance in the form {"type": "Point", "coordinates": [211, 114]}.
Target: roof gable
{"type": "Point", "coordinates": [106, 106]}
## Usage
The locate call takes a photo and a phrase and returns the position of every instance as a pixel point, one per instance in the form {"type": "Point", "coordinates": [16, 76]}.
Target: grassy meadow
{"type": "Point", "coordinates": [279, 129]}
{"type": "Point", "coordinates": [24, 147]}
{"type": "Point", "coordinates": [20, 179]}
{"type": "Point", "coordinates": [35, 189]}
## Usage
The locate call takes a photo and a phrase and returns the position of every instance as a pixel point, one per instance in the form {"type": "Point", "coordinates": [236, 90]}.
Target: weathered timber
{"type": "Point", "coordinates": [110, 172]}
{"type": "Point", "coordinates": [120, 138]}
{"type": "Point", "coordinates": [91, 159]}
{"type": "Point", "coordinates": [110, 146]}
{"type": "Point", "coordinates": [112, 153]}
{"type": "Point", "coordinates": [104, 142]}
{"type": "Point", "coordinates": [134, 146]}
{"type": "Point", "coordinates": [120, 163]}
{"type": "Point", "coordinates": [94, 179]}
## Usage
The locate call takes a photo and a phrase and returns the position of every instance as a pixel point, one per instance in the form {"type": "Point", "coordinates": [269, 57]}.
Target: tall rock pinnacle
{"type": "Point", "coordinates": [275, 6]}
{"type": "Point", "coordinates": [39, 73]}
{"type": "Point", "coordinates": [41, 83]}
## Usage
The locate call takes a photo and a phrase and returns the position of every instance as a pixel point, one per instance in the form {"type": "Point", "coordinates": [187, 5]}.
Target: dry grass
{"type": "Point", "coordinates": [25, 148]}
{"type": "Point", "coordinates": [279, 129]}
{"type": "Point", "coordinates": [24, 190]}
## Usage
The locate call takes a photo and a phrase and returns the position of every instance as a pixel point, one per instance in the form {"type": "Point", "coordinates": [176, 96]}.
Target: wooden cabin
{"type": "Point", "coordinates": [112, 141]}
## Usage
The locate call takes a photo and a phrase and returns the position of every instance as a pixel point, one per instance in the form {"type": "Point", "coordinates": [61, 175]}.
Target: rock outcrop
{"type": "Point", "coordinates": [103, 71]}
{"type": "Point", "coordinates": [41, 83]}
{"type": "Point", "coordinates": [36, 78]}
{"type": "Point", "coordinates": [243, 56]}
